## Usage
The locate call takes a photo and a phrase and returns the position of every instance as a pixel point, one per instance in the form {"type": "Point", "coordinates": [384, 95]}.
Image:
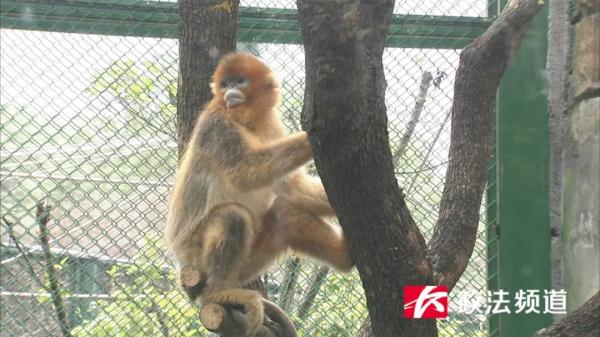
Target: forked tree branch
{"type": "Point", "coordinates": [344, 114]}
{"type": "Point", "coordinates": [24, 253]}
{"type": "Point", "coordinates": [42, 216]}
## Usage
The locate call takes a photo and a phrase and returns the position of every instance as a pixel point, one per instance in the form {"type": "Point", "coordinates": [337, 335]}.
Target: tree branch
{"type": "Point", "coordinates": [28, 263]}
{"type": "Point", "coordinates": [317, 280]}
{"type": "Point", "coordinates": [344, 114]}
{"type": "Point", "coordinates": [231, 322]}
{"type": "Point", "coordinates": [482, 64]}
{"type": "Point", "coordinates": [208, 31]}
{"type": "Point", "coordinates": [288, 286]}
{"type": "Point", "coordinates": [583, 322]}
{"type": "Point", "coordinates": [42, 217]}
{"type": "Point", "coordinates": [161, 318]}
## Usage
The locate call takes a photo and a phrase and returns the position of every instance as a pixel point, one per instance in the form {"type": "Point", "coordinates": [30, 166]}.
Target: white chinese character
{"type": "Point", "coordinates": [528, 301]}
{"type": "Point", "coordinates": [555, 301]}
{"type": "Point", "coordinates": [468, 302]}
{"type": "Point", "coordinates": [498, 302]}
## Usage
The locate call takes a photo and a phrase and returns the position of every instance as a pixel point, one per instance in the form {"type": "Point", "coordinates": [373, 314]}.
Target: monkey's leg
{"type": "Point", "coordinates": [225, 246]}
{"type": "Point", "coordinates": [210, 256]}
{"type": "Point", "coordinates": [309, 234]}
{"type": "Point", "coordinates": [226, 242]}
{"type": "Point", "coordinates": [269, 244]}
{"type": "Point", "coordinates": [307, 192]}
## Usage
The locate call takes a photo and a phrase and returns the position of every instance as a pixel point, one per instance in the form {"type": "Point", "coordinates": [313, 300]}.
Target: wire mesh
{"type": "Point", "coordinates": [88, 127]}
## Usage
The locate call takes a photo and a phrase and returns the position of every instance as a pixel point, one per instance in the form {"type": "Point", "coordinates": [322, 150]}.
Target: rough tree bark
{"type": "Point", "coordinates": [344, 114]}
{"type": "Point", "coordinates": [481, 66]}
{"type": "Point", "coordinates": [583, 322]}
{"type": "Point", "coordinates": [208, 31]}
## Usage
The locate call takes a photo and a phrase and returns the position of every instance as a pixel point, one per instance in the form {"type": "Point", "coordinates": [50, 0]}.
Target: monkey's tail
{"type": "Point", "coordinates": [277, 315]}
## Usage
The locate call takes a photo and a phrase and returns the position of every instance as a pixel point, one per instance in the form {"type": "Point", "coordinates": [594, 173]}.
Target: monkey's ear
{"type": "Point", "coordinates": [273, 81]}
{"type": "Point", "coordinates": [213, 87]}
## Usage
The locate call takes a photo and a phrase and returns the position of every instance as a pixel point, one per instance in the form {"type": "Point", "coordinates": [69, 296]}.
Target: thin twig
{"type": "Point", "coordinates": [13, 237]}
{"type": "Point", "coordinates": [10, 259]}
{"type": "Point", "coordinates": [160, 317]}
{"type": "Point", "coordinates": [414, 117]}
{"type": "Point", "coordinates": [42, 218]}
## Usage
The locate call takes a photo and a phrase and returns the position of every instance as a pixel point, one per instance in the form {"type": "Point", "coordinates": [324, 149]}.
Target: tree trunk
{"type": "Point", "coordinates": [344, 113]}
{"type": "Point", "coordinates": [208, 31]}
{"type": "Point", "coordinates": [345, 116]}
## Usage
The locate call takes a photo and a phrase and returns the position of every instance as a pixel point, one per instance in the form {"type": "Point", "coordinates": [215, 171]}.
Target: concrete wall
{"type": "Point", "coordinates": [578, 179]}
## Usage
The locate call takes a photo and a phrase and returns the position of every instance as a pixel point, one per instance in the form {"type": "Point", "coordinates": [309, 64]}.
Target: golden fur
{"type": "Point", "coordinates": [241, 197]}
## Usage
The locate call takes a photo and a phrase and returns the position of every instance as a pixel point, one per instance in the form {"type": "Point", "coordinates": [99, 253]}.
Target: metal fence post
{"type": "Point", "coordinates": [520, 183]}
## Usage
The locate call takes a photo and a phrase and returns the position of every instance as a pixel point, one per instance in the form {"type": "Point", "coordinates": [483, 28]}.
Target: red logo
{"type": "Point", "coordinates": [425, 302]}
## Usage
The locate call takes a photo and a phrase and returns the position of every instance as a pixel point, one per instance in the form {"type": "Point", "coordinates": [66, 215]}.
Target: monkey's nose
{"type": "Point", "coordinates": [234, 97]}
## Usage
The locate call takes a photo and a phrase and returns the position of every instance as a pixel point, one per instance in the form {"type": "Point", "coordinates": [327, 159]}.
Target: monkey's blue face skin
{"type": "Point", "coordinates": [232, 88]}
{"type": "Point", "coordinates": [235, 81]}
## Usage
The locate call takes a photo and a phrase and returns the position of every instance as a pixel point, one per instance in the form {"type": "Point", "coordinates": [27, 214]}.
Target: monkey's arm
{"type": "Point", "coordinates": [245, 166]}
{"type": "Point", "coordinates": [261, 167]}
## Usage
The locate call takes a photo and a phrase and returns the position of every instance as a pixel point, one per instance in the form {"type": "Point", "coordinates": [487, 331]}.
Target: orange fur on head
{"type": "Point", "coordinates": [263, 93]}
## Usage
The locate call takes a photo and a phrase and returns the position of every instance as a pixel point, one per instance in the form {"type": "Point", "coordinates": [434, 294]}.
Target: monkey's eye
{"type": "Point", "coordinates": [223, 84]}
{"type": "Point", "coordinates": [242, 82]}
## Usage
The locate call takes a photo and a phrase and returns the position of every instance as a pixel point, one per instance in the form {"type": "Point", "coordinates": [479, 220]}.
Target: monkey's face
{"type": "Point", "coordinates": [243, 84]}
{"type": "Point", "coordinates": [232, 88]}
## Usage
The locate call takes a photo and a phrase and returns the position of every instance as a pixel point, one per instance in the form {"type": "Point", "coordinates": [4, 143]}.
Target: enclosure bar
{"type": "Point", "coordinates": [257, 25]}
{"type": "Point", "coordinates": [522, 181]}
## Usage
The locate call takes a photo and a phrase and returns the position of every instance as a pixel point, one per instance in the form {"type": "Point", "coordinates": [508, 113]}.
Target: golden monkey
{"type": "Point", "coordinates": [241, 197]}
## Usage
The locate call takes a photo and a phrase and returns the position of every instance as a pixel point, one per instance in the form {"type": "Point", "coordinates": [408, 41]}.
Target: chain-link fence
{"type": "Point", "coordinates": [88, 127]}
